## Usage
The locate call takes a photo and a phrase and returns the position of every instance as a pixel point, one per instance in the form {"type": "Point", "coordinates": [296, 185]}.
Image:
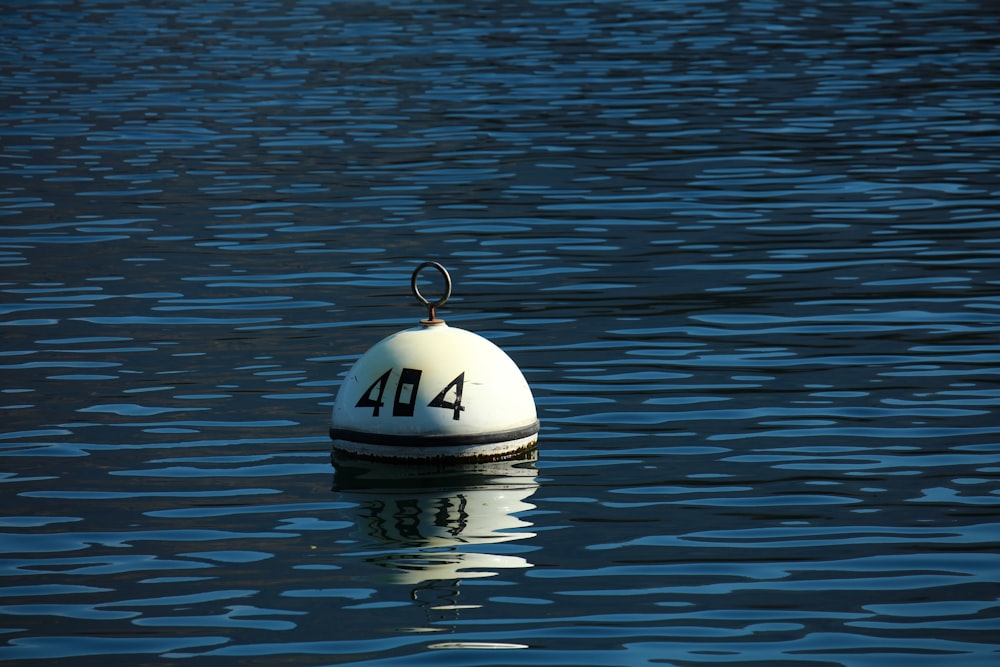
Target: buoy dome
{"type": "Point", "coordinates": [434, 392]}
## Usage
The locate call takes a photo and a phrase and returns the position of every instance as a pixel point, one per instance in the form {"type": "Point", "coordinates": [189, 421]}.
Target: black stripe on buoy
{"type": "Point", "coordinates": [393, 440]}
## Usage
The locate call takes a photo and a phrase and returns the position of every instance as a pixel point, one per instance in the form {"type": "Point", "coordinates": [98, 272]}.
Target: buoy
{"type": "Point", "coordinates": [434, 392]}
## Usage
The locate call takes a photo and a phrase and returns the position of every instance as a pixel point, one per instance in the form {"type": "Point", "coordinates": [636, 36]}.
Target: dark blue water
{"type": "Point", "coordinates": [746, 254]}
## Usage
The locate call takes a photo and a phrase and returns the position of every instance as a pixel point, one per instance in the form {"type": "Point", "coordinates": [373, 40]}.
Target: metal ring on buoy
{"type": "Point", "coordinates": [431, 305]}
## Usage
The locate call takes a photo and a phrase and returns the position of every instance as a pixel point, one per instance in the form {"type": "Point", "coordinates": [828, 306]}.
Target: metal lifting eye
{"type": "Point", "coordinates": [431, 305]}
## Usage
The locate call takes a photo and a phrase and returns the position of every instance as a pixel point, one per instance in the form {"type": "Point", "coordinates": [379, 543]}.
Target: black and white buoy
{"type": "Point", "coordinates": [434, 392]}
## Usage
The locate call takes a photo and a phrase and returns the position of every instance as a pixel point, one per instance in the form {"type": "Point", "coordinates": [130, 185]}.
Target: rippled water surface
{"type": "Point", "coordinates": [746, 254]}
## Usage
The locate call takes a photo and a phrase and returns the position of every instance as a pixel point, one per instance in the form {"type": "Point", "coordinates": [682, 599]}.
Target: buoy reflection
{"type": "Point", "coordinates": [432, 524]}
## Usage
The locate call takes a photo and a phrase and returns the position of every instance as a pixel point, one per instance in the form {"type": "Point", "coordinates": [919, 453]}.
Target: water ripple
{"type": "Point", "coordinates": [744, 254]}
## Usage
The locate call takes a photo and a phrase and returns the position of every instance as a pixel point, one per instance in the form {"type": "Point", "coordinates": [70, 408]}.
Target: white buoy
{"type": "Point", "coordinates": [434, 392]}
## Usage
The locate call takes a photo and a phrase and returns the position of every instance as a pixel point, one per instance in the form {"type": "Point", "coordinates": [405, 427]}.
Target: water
{"type": "Point", "coordinates": [744, 252]}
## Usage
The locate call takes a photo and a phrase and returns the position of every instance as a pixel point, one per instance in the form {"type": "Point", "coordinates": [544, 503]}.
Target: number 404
{"type": "Point", "coordinates": [406, 394]}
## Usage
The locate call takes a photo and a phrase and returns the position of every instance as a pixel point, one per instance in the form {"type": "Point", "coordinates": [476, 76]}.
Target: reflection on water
{"type": "Point", "coordinates": [424, 524]}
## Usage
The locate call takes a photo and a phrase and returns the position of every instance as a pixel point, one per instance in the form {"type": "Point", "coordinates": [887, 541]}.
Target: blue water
{"type": "Point", "coordinates": [746, 254]}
